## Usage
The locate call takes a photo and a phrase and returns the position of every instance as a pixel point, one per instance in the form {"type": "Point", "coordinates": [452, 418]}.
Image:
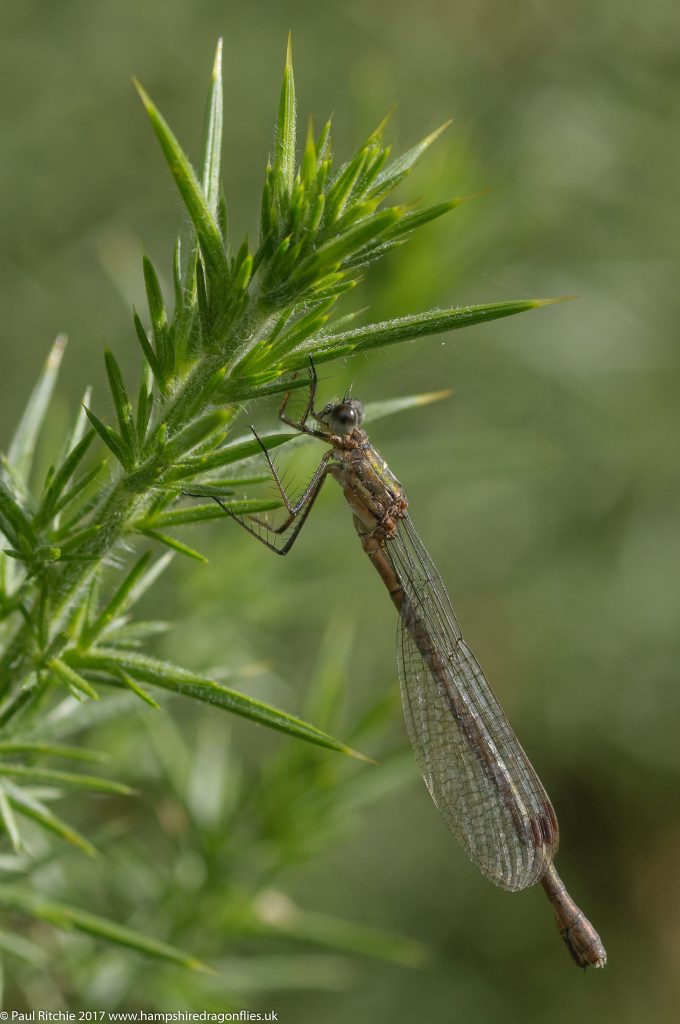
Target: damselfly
{"type": "Point", "coordinates": [473, 765]}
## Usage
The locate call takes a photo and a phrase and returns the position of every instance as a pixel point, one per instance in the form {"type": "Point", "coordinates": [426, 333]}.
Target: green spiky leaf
{"type": "Point", "coordinates": [22, 446]}
{"type": "Point", "coordinates": [61, 478]}
{"type": "Point", "coordinates": [121, 401]}
{"type": "Point", "coordinates": [209, 236]}
{"type": "Point", "coordinates": [70, 918]}
{"type": "Point", "coordinates": [409, 328]}
{"type": "Point", "coordinates": [118, 602]}
{"type": "Point", "coordinates": [32, 808]}
{"type": "Point", "coordinates": [205, 513]}
{"type": "Point", "coordinates": [51, 777]}
{"type": "Point", "coordinates": [172, 677]}
{"type": "Point", "coordinates": [113, 441]}
{"type": "Point", "coordinates": [175, 545]}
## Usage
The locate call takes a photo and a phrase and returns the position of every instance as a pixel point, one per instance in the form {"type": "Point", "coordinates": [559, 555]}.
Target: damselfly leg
{"type": "Point", "coordinates": [309, 410]}
{"type": "Point", "coordinates": [299, 509]}
{"type": "Point", "coordinates": [297, 512]}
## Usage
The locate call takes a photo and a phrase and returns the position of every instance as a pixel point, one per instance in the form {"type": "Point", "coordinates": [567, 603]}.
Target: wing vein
{"type": "Point", "coordinates": [473, 764]}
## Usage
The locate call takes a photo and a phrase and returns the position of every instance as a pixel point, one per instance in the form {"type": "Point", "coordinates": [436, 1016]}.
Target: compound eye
{"type": "Point", "coordinates": [343, 416]}
{"type": "Point", "coordinates": [347, 415]}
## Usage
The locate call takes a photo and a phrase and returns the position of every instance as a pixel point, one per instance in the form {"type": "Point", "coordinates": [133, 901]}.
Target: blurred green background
{"type": "Point", "coordinates": [546, 488]}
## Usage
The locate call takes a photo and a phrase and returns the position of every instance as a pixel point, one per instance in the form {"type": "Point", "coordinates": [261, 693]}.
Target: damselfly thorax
{"type": "Point", "coordinates": [371, 490]}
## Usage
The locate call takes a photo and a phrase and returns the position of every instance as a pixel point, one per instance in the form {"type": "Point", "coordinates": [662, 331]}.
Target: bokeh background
{"type": "Point", "coordinates": [546, 490]}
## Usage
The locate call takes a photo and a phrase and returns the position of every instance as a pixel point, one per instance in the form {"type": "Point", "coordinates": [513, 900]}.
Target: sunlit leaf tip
{"type": "Point", "coordinates": [396, 170]}
{"type": "Point", "coordinates": [351, 752]}
{"type": "Point", "coordinates": [143, 94]}
{"type": "Point", "coordinates": [393, 406]}
{"type": "Point", "coordinates": [433, 136]}
{"type": "Point", "coordinates": [217, 63]}
{"type": "Point", "coordinates": [57, 351]}
{"type": "Point", "coordinates": [427, 397]}
{"type": "Point", "coordinates": [378, 132]}
{"type": "Point", "coordinates": [538, 303]}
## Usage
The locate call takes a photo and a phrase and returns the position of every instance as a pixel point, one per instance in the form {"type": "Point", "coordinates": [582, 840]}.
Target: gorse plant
{"type": "Point", "coordinates": [244, 322]}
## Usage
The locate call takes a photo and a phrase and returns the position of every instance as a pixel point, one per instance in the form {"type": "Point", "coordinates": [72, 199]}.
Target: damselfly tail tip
{"type": "Point", "coordinates": [581, 939]}
{"type": "Point", "coordinates": [584, 945]}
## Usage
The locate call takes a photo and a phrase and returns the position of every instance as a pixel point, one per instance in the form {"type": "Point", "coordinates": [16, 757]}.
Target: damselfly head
{"type": "Point", "coordinates": [342, 417]}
